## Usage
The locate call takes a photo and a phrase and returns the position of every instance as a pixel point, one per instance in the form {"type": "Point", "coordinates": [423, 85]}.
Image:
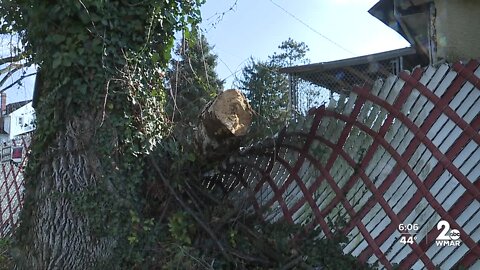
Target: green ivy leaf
{"type": "Point", "coordinates": [57, 39]}
{"type": "Point", "coordinates": [155, 57]}
{"type": "Point", "coordinates": [57, 61]}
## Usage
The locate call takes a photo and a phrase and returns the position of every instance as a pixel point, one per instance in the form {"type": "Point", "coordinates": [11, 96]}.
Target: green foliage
{"type": "Point", "coordinates": [84, 44]}
{"type": "Point", "coordinates": [192, 82]}
{"type": "Point", "coordinates": [204, 230]}
{"type": "Point", "coordinates": [291, 53]}
{"type": "Point", "coordinates": [5, 258]}
{"type": "Point", "coordinates": [101, 65]}
{"type": "Point", "coordinates": [268, 90]}
{"type": "Point", "coordinates": [180, 226]}
{"type": "Point", "coordinates": [192, 78]}
{"type": "Point", "coordinates": [313, 251]}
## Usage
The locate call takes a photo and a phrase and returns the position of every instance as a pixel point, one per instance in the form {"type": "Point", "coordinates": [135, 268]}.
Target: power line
{"type": "Point", "coordinates": [225, 64]}
{"type": "Point", "coordinates": [313, 29]}
{"type": "Point", "coordinates": [218, 16]}
{"type": "Point", "coordinates": [238, 68]}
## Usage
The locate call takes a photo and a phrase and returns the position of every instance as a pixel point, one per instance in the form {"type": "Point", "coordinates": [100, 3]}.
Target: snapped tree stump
{"type": "Point", "coordinates": [222, 124]}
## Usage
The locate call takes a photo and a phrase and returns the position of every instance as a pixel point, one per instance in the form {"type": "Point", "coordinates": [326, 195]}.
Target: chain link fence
{"type": "Point", "coordinates": [315, 84]}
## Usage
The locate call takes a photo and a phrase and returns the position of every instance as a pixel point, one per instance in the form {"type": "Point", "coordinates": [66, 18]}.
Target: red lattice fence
{"type": "Point", "coordinates": [11, 182]}
{"type": "Point", "coordinates": [403, 151]}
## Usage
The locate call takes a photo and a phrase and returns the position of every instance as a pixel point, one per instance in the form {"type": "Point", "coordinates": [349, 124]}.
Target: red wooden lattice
{"type": "Point", "coordinates": [11, 183]}
{"type": "Point", "coordinates": [403, 151]}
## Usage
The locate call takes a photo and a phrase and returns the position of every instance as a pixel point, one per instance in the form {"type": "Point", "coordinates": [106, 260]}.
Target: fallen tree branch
{"type": "Point", "coordinates": [293, 263]}
{"type": "Point", "coordinates": [223, 122]}
{"type": "Point", "coordinates": [189, 211]}
{"type": "Point", "coordinates": [249, 258]}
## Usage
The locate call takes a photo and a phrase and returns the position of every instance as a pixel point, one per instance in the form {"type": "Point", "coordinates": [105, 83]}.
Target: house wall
{"type": "Point", "coordinates": [457, 29]}
{"type": "Point", "coordinates": [4, 138]}
{"type": "Point", "coordinates": [21, 121]}
{"type": "Point", "coordinates": [6, 124]}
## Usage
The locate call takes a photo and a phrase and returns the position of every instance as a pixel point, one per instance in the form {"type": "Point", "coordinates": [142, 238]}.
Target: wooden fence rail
{"type": "Point", "coordinates": [401, 152]}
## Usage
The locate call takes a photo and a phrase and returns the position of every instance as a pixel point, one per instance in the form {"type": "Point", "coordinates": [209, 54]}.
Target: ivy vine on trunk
{"type": "Point", "coordinates": [98, 113]}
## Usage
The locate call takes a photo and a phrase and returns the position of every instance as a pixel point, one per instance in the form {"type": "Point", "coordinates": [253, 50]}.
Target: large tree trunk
{"type": "Point", "coordinates": [99, 113]}
{"type": "Point", "coordinates": [60, 234]}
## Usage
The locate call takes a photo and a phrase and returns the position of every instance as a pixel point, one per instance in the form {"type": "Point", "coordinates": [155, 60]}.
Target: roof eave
{"type": "Point", "coordinates": [349, 61]}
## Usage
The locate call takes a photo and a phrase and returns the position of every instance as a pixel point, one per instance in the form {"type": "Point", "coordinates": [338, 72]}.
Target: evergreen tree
{"type": "Point", "coordinates": [192, 77]}
{"type": "Point", "coordinates": [291, 53]}
{"type": "Point", "coordinates": [268, 90]}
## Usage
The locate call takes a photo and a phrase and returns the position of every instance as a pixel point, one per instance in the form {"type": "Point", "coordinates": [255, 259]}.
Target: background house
{"type": "Point", "coordinates": [16, 118]}
{"type": "Point", "coordinates": [438, 31]}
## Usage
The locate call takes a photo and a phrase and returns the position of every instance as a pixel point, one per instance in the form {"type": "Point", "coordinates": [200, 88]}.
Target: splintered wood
{"type": "Point", "coordinates": [222, 123]}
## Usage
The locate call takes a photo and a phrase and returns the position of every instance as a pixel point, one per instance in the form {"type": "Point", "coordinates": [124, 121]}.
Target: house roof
{"type": "Point", "coordinates": [15, 106]}
{"type": "Point", "coordinates": [409, 18]}
{"type": "Point", "coordinates": [341, 75]}
{"type": "Point", "coordinates": [365, 59]}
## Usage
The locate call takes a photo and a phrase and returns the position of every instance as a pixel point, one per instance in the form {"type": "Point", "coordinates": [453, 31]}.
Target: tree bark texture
{"type": "Point", "coordinates": [60, 235]}
{"type": "Point", "coordinates": [99, 112]}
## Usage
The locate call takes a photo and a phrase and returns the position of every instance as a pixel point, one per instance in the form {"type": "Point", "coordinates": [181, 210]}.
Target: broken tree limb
{"type": "Point", "coordinates": [223, 122]}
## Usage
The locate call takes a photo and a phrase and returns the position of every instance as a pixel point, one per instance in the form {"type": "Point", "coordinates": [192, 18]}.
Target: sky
{"type": "Point", "coordinates": [241, 29]}
{"type": "Point", "coordinates": [18, 92]}
{"type": "Point", "coordinates": [332, 29]}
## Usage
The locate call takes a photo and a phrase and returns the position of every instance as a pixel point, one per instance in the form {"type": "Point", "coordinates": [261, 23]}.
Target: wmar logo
{"type": "Point", "coordinates": [447, 237]}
